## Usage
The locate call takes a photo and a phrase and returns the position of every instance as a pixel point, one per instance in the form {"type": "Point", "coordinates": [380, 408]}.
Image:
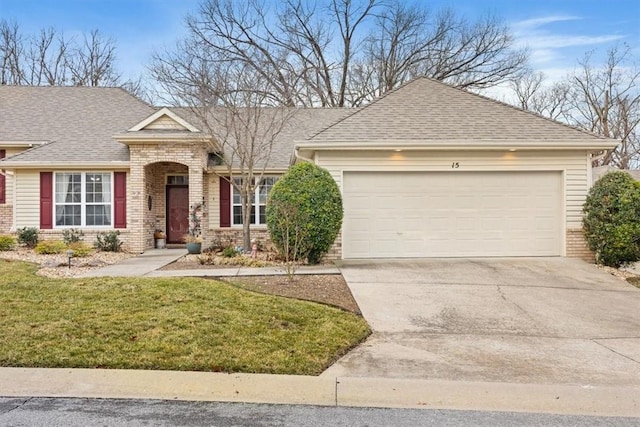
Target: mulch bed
{"type": "Point", "coordinates": [328, 289]}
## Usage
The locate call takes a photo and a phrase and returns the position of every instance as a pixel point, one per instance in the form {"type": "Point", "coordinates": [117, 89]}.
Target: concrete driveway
{"type": "Point", "coordinates": [533, 320]}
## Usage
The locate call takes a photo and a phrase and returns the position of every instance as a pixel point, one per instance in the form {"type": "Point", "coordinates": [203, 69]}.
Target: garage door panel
{"type": "Point", "coordinates": [435, 214]}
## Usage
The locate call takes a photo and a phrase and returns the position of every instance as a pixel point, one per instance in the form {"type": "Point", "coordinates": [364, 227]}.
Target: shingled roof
{"type": "Point", "coordinates": [300, 124]}
{"type": "Point", "coordinates": [77, 123]}
{"type": "Point", "coordinates": [428, 111]}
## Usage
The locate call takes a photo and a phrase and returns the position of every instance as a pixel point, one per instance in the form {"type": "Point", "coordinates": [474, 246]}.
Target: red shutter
{"type": "Point", "coordinates": [3, 181]}
{"type": "Point", "coordinates": [46, 200]}
{"type": "Point", "coordinates": [225, 203]}
{"type": "Point", "coordinates": [120, 199]}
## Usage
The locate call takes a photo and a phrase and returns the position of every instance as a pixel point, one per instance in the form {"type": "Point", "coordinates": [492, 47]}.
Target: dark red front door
{"type": "Point", "coordinates": [177, 213]}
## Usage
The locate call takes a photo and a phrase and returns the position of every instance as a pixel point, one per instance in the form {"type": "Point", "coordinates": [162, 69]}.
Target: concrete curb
{"type": "Point", "coordinates": [325, 391]}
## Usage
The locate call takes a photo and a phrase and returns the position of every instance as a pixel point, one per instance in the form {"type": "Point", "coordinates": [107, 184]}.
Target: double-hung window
{"type": "Point", "coordinates": [83, 199]}
{"type": "Point", "coordinates": [258, 202]}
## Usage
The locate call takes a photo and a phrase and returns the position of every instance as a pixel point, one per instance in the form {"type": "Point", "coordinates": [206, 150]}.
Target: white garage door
{"type": "Point", "coordinates": [451, 214]}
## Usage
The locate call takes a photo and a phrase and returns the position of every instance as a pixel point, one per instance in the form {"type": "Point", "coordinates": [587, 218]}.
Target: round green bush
{"type": "Point", "coordinates": [304, 212]}
{"type": "Point", "coordinates": [611, 219]}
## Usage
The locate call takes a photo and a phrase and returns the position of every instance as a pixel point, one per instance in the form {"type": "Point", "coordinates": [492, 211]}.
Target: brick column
{"type": "Point", "coordinates": [135, 202]}
{"type": "Point", "coordinates": [196, 194]}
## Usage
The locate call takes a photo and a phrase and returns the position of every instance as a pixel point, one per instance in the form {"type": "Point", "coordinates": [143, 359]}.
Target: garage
{"type": "Point", "coordinates": [429, 170]}
{"type": "Point", "coordinates": [452, 214]}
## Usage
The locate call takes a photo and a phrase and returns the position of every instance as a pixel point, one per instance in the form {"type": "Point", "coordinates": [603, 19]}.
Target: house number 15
{"type": "Point", "coordinates": [455, 165]}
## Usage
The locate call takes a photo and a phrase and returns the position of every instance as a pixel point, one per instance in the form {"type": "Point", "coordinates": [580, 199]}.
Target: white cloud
{"type": "Point", "coordinates": [551, 44]}
{"type": "Point", "coordinates": [557, 41]}
{"type": "Point", "coordinates": [538, 22]}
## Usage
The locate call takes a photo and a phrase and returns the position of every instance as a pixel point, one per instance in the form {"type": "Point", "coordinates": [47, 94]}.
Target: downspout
{"type": "Point", "coordinates": [596, 158]}
{"type": "Point", "coordinates": [299, 156]}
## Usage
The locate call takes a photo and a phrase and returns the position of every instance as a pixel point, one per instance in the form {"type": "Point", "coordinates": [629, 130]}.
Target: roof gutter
{"type": "Point", "coordinates": [74, 165]}
{"type": "Point", "coordinates": [387, 145]}
{"type": "Point", "coordinates": [136, 138]}
{"type": "Point", "coordinates": [22, 144]}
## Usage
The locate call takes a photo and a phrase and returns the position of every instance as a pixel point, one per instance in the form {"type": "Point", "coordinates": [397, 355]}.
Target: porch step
{"type": "Point", "coordinates": [176, 246]}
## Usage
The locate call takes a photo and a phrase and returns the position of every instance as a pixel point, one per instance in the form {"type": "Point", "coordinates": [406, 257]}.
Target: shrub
{"type": "Point", "coordinates": [108, 241]}
{"type": "Point", "coordinates": [50, 247]}
{"type": "Point", "coordinates": [611, 219]}
{"type": "Point", "coordinates": [7, 242]}
{"type": "Point", "coordinates": [80, 249]}
{"type": "Point", "coordinates": [28, 236]}
{"type": "Point", "coordinates": [72, 235]}
{"type": "Point", "coordinates": [304, 212]}
{"type": "Point", "coordinates": [230, 252]}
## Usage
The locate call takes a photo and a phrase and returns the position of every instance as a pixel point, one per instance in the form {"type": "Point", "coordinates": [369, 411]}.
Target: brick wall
{"type": "Point", "coordinates": [335, 252]}
{"type": "Point", "coordinates": [577, 246]}
{"type": "Point", "coordinates": [6, 218]}
{"type": "Point", "coordinates": [149, 165]}
{"type": "Point", "coordinates": [233, 237]}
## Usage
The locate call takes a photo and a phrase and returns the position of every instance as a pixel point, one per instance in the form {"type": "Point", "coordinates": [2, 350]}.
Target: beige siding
{"type": "Point", "coordinates": [573, 165]}
{"type": "Point", "coordinates": [27, 199]}
{"type": "Point", "coordinates": [164, 123]}
{"type": "Point", "coordinates": [213, 204]}
{"type": "Point", "coordinates": [10, 179]}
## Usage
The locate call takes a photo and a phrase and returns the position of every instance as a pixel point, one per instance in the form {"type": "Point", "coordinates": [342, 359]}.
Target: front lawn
{"type": "Point", "coordinates": [173, 324]}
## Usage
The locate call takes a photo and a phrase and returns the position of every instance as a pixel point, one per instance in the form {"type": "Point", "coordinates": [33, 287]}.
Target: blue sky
{"type": "Point", "coordinates": [558, 32]}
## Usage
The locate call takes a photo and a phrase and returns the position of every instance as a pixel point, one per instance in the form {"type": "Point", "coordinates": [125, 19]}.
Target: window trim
{"type": "Point", "coordinates": [83, 200]}
{"type": "Point", "coordinates": [255, 204]}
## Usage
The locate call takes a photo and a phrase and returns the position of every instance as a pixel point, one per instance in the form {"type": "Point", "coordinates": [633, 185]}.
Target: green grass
{"type": "Point", "coordinates": [172, 324]}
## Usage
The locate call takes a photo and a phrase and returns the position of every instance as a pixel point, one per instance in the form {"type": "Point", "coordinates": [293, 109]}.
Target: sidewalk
{"type": "Point", "coordinates": [291, 389]}
{"type": "Point", "coordinates": [140, 265]}
{"type": "Point", "coordinates": [149, 263]}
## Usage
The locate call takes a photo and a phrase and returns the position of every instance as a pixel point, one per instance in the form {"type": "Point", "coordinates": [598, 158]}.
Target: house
{"type": "Point", "coordinates": [427, 170]}
{"type": "Point", "coordinates": [100, 159]}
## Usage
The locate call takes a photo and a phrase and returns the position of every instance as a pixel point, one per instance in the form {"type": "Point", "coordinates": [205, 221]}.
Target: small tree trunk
{"type": "Point", "coordinates": [246, 221]}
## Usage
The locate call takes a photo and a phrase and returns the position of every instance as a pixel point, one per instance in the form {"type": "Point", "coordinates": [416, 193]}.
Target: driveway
{"type": "Point", "coordinates": [522, 320]}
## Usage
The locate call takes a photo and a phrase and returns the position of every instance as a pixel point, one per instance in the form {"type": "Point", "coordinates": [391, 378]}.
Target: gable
{"type": "Point", "coordinates": [164, 119]}
{"type": "Point", "coordinates": [164, 123]}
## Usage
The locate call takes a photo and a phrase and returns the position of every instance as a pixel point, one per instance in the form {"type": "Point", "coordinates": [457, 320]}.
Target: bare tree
{"type": "Point", "coordinates": [606, 100]}
{"type": "Point", "coordinates": [410, 40]}
{"type": "Point", "coordinates": [48, 58]}
{"type": "Point", "coordinates": [600, 98]}
{"type": "Point", "coordinates": [233, 105]}
{"type": "Point", "coordinates": [338, 53]}
{"type": "Point", "coordinates": [11, 54]}
{"type": "Point", "coordinates": [291, 228]}
{"type": "Point", "coordinates": [534, 95]}
{"type": "Point", "coordinates": [92, 62]}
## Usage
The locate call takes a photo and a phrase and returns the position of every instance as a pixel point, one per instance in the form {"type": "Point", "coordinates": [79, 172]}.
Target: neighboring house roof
{"type": "Point", "coordinates": [78, 123]}
{"type": "Point", "coordinates": [299, 124]}
{"type": "Point", "coordinates": [428, 112]}
{"type": "Point", "coordinates": [599, 171]}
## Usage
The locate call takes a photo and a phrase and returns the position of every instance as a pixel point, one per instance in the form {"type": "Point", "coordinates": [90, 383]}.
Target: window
{"type": "Point", "coordinates": [177, 180]}
{"type": "Point", "coordinates": [83, 199]}
{"type": "Point", "coordinates": [259, 202]}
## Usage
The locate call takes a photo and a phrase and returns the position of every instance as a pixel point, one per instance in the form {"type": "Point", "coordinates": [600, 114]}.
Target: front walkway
{"type": "Point", "coordinates": [140, 265]}
{"type": "Point", "coordinates": [149, 263]}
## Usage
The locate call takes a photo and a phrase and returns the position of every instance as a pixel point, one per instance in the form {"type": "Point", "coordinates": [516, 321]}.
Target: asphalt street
{"type": "Point", "coordinates": [51, 412]}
